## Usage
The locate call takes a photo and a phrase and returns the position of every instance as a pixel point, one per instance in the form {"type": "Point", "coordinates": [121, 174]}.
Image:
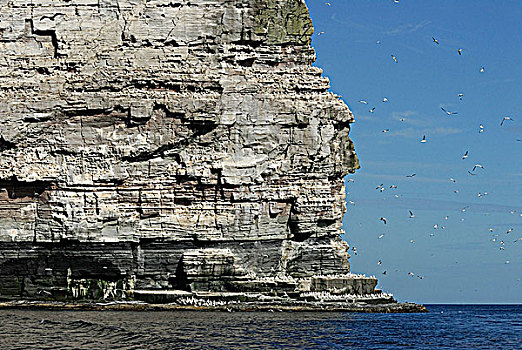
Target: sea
{"type": "Point", "coordinates": [444, 327]}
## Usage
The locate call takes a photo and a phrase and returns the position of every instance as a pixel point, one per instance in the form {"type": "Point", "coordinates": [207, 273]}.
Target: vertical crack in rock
{"type": "Point", "coordinates": [149, 147]}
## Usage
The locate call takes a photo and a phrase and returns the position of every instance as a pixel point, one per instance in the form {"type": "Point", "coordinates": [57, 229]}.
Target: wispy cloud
{"type": "Point", "coordinates": [397, 178]}
{"type": "Point", "coordinates": [436, 205]}
{"type": "Point", "coordinates": [446, 105]}
{"type": "Point", "coordinates": [407, 28]}
{"type": "Point", "coordinates": [366, 117]}
{"type": "Point", "coordinates": [517, 129]}
{"type": "Point", "coordinates": [402, 164]}
{"type": "Point", "coordinates": [411, 118]}
{"type": "Point", "coordinates": [350, 23]}
{"type": "Point", "coordinates": [418, 125]}
{"type": "Point", "coordinates": [412, 48]}
{"type": "Point", "coordinates": [497, 81]}
{"type": "Point", "coordinates": [418, 132]}
{"type": "Point", "coordinates": [423, 168]}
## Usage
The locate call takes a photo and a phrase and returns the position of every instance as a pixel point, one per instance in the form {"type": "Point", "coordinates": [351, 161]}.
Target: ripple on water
{"type": "Point", "coordinates": [472, 328]}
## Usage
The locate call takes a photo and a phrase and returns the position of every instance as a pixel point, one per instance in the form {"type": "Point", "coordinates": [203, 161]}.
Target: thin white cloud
{"type": "Point", "coordinates": [412, 48]}
{"type": "Point", "coordinates": [407, 28]}
{"type": "Point", "coordinates": [436, 205]}
{"type": "Point", "coordinates": [365, 117]}
{"type": "Point", "coordinates": [397, 178]}
{"type": "Point", "coordinates": [419, 169]}
{"type": "Point", "coordinates": [446, 105]}
{"type": "Point", "coordinates": [351, 23]}
{"type": "Point", "coordinates": [412, 118]}
{"type": "Point", "coordinates": [514, 129]}
{"type": "Point", "coordinates": [496, 81]}
{"type": "Point", "coordinates": [417, 132]}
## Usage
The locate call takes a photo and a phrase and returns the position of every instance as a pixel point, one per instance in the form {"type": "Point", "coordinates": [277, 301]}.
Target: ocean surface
{"type": "Point", "coordinates": [445, 327]}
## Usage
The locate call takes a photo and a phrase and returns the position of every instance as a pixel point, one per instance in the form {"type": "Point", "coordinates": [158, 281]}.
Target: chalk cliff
{"type": "Point", "coordinates": [166, 148]}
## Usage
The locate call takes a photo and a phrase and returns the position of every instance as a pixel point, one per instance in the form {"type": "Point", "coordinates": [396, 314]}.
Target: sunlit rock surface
{"type": "Point", "coordinates": [170, 145]}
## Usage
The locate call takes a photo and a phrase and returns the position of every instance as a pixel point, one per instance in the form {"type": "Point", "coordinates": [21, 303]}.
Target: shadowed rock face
{"type": "Point", "coordinates": [169, 145]}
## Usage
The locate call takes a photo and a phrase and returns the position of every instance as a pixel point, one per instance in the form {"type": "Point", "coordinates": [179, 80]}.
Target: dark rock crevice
{"type": "Point", "coordinates": [17, 189]}
{"type": "Point", "coordinates": [46, 33]}
{"type": "Point", "coordinates": [5, 144]}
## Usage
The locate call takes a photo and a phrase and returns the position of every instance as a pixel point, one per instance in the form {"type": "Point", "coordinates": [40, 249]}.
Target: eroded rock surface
{"type": "Point", "coordinates": [169, 145]}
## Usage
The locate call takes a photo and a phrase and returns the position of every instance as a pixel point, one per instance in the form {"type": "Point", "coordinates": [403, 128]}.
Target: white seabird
{"type": "Point", "coordinates": [448, 112]}
{"type": "Point", "coordinates": [504, 119]}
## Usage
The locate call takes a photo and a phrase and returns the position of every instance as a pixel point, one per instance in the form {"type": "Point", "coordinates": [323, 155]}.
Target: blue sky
{"type": "Point", "coordinates": [461, 260]}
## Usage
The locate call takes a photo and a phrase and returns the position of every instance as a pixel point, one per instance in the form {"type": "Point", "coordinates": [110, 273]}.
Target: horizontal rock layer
{"type": "Point", "coordinates": [169, 144]}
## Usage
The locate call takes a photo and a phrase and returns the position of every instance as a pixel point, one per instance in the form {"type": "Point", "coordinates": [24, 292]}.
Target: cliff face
{"type": "Point", "coordinates": [169, 145]}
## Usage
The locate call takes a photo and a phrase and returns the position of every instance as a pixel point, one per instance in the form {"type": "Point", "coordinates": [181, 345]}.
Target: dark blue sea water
{"type": "Point", "coordinates": [445, 327]}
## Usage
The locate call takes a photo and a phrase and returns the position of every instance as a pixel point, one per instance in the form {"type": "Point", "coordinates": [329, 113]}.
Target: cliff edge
{"type": "Point", "coordinates": [171, 149]}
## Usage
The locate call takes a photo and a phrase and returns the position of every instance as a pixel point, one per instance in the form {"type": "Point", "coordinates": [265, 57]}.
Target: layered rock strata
{"type": "Point", "coordinates": [176, 146]}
